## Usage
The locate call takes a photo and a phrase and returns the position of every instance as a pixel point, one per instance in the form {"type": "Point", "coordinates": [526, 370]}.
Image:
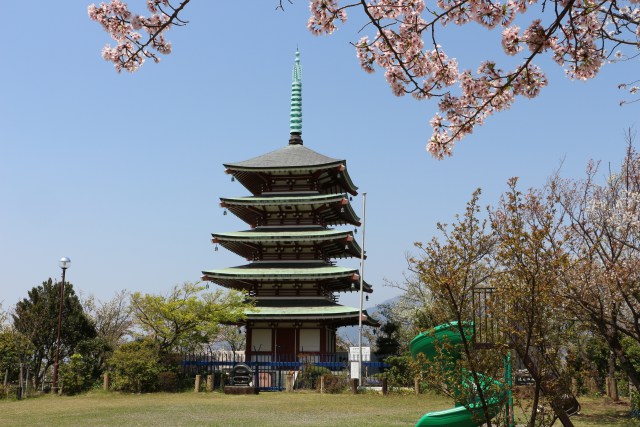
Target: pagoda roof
{"type": "Point", "coordinates": [311, 308]}
{"type": "Point", "coordinates": [247, 275]}
{"type": "Point", "coordinates": [292, 158]}
{"type": "Point", "coordinates": [331, 243]}
{"type": "Point", "coordinates": [333, 208]}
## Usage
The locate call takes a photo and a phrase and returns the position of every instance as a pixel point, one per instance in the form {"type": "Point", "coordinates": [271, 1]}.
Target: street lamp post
{"type": "Point", "coordinates": [64, 264]}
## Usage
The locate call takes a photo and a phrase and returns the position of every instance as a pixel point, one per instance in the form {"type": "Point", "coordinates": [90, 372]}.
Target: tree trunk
{"type": "Point", "coordinates": [625, 364]}
{"type": "Point", "coordinates": [26, 384]}
{"type": "Point", "coordinates": [534, 405]}
{"type": "Point", "coordinates": [547, 386]}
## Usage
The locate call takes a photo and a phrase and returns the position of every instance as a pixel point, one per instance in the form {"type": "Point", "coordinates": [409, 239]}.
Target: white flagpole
{"type": "Point", "coordinates": [364, 220]}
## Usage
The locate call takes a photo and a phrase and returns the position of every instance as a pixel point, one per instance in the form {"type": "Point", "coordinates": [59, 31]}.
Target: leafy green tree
{"type": "Point", "coordinates": [449, 269]}
{"type": "Point", "coordinates": [36, 317]}
{"type": "Point", "coordinates": [15, 348]}
{"type": "Point", "coordinates": [135, 366]}
{"type": "Point", "coordinates": [534, 258]}
{"type": "Point", "coordinates": [95, 353]}
{"type": "Point", "coordinates": [187, 318]}
{"type": "Point", "coordinates": [387, 342]}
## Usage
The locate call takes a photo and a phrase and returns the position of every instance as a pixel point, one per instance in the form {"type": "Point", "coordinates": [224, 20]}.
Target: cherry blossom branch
{"type": "Point", "coordinates": [122, 25]}
{"type": "Point", "coordinates": [524, 68]}
{"type": "Point", "coordinates": [583, 35]}
{"type": "Point", "coordinates": [578, 36]}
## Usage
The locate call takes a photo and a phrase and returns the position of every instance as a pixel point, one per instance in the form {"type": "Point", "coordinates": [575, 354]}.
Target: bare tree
{"type": "Point", "coordinates": [603, 288]}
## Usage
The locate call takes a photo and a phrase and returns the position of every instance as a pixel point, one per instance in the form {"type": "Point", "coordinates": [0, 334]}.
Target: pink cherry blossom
{"type": "Point", "coordinates": [132, 48]}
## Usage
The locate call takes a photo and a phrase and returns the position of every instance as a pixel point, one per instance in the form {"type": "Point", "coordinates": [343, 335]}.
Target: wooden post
{"type": "Point", "coordinates": [322, 384]}
{"type": "Point", "coordinates": [574, 386]}
{"type": "Point", "coordinates": [288, 382]}
{"type": "Point", "coordinates": [209, 383]}
{"type": "Point", "coordinates": [612, 388]}
{"type": "Point", "coordinates": [197, 387]}
{"type": "Point", "coordinates": [19, 390]}
{"type": "Point", "coordinates": [385, 391]}
{"type": "Point", "coordinates": [416, 385]}
{"type": "Point", "coordinates": [105, 381]}
{"type": "Point", "coordinates": [354, 385]}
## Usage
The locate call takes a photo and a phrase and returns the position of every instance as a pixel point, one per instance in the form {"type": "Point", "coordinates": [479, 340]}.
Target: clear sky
{"type": "Point", "coordinates": [122, 173]}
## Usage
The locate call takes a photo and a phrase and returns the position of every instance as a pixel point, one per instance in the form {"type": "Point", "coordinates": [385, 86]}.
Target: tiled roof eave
{"type": "Point", "coordinates": [276, 169]}
{"type": "Point", "coordinates": [245, 236]}
{"type": "Point", "coordinates": [290, 313]}
{"type": "Point", "coordinates": [279, 200]}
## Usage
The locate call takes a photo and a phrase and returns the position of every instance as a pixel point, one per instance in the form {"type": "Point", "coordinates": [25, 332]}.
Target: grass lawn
{"type": "Point", "coordinates": [265, 409]}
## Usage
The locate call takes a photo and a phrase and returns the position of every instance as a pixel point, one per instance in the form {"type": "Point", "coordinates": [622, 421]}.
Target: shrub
{"type": "Point", "coordinates": [75, 375]}
{"type": "Point", "coordinates": [4, 391]}
{"type": "Point", "coordinates": [334, 383]}
{"type": "Point", "coordinates": [310, 375]}
{"type": "Point", "coordinates": [135, 366]}
{"type": "Point", "coordinates": [635, 404]}
{"type": "Point", "coordinates": [401, 372]}
{"type": "Point", "coordinates": [168, 381]}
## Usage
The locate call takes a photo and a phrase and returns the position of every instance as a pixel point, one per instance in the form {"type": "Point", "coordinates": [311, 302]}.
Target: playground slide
{"type": "Point", "coordinates": [459, 416]}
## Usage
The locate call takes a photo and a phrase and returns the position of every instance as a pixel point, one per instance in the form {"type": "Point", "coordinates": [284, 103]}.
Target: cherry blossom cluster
{"type": "Point", "coordinates": [324, 13]}
{"type": "Point", "coordinates": [132, 47]}
{"type": "Point", "coordinates": [615, 206]}
{"type": "Point", "coordinates": [576, 33]}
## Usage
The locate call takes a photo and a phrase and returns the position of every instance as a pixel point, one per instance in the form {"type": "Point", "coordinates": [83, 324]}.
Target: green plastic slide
{"type": "Point", "coordinates": [459, 416]}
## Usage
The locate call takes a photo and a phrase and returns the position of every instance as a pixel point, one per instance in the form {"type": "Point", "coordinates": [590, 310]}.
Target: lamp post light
{"type": "Point", "coordinates": [64, 264]}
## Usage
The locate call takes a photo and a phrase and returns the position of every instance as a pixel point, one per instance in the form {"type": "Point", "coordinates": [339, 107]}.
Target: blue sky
{"type": "Point", "coordinates": [122, 173]}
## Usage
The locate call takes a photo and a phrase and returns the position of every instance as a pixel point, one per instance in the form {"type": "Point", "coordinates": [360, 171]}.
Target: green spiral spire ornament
{"type": "Point", "coordinates": [295, 118]}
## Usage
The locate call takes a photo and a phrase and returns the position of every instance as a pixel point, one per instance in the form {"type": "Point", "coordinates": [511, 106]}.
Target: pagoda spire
{"type": "Point", "coordinates": [295, 117]}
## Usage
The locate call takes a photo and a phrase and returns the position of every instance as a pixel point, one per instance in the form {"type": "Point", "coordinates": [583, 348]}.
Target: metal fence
{"type": "Point", "coordinates": [270, 372]}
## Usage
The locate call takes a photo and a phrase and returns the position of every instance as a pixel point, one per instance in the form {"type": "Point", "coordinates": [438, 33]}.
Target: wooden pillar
{"type": "Point", "coordinates": [385, 390]}
{"type": "Point", "coordinates": [354, 385]}
{"type": "Point", "coordinates": [105, 381]}
{"type": "Point", "coordinates": [322, 384]}
{"type": "Point", "coordinates": [416, 385]}
{"type": "Point", "coordinates": [197, 386]}
{"type": "Point", "coordinates": [209, 383]}
{"type": "Point", "coordinates": [289, 382]}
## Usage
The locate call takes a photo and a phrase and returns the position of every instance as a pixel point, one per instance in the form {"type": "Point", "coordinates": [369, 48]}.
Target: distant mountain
{"type": "Point", "coordinates": [350, 333]}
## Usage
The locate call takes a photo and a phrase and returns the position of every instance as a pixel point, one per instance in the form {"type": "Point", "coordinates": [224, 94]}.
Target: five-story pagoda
{"type": "Point", "coordinates": [297, 196]}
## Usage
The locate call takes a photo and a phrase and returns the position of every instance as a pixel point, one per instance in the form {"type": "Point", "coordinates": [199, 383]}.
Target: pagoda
{"type": "Point", "coordinates": [297, 196]}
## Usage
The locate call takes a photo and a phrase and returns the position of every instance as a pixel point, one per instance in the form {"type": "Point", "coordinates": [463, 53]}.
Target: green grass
{"type": "Point", "coordinates": [602, 412]}
{"type": "Point", "coordinates": [265, 409]}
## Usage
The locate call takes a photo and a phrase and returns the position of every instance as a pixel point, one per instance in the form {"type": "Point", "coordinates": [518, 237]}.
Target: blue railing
{"type": "Point", "coordinates": [270, 371]}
